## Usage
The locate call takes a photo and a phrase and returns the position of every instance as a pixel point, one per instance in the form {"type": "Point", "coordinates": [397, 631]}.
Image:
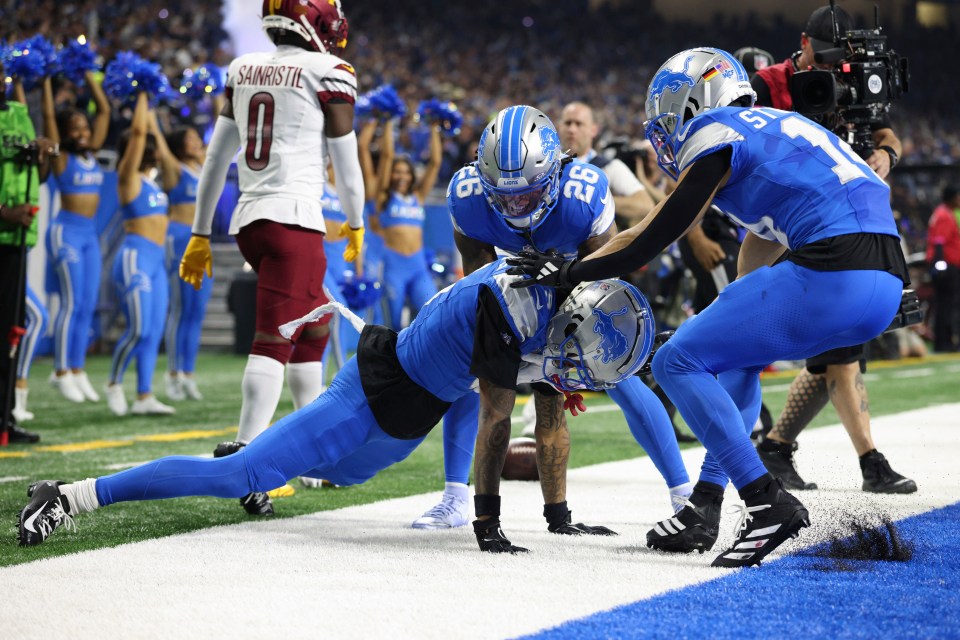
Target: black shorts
{"type": "Point", "coordinates": [841, 355]}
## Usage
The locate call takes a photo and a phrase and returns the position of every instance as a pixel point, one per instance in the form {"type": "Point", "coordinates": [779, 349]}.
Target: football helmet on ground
{"type": "Point", "coordinates": [601, 335]}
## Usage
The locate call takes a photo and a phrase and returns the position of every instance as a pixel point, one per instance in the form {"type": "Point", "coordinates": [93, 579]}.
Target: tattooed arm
{"type": "Point", "coordinates": [553, 447]}
{"type": "Point", "coordinates": [496, 405]}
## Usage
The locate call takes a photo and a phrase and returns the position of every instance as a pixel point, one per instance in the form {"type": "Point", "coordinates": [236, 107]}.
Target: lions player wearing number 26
{"type": "Point", "coordinates": [795, 186]}
{"type": "Point", "coordinates": [283, 109]}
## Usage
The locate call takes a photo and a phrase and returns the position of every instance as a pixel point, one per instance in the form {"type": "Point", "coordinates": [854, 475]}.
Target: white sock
{"type": "Point", "coordinates": [20, 399]}
{"type": "Point", "coordinates": [261, 387]}
{"type": "Point", "coordinates": [679, 495]}
{"type": "Point", "coordinates": [305, 380]}
{"type": "Point", "coordinates": [458, 489]}
{"type": "Point", "coordinates": [81, 496]}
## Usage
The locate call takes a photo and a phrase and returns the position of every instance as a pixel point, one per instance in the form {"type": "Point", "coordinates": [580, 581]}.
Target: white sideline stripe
{"type": "Point", "coordinates": [776, 388]}
{"type": "Point", "coordinates": [12, 479]}
{"type": "Point", "coordinates": [363, 572]}
{"type": "Point", "coordinates": [913, 373]}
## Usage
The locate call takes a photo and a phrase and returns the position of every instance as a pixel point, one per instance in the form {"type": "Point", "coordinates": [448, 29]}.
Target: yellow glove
{"type": "Point", "coordinates": [354, 241]}
{"type": "Point", "coordinates": [197, 260]}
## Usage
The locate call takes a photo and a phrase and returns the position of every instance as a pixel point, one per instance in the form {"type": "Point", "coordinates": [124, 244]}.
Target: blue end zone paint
{"type": "Point", "coordinates": [800, 596]}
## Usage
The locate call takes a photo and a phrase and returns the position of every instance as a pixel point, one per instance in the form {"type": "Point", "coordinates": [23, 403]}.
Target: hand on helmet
{"type": "Point", "coordinates": [549, 269]}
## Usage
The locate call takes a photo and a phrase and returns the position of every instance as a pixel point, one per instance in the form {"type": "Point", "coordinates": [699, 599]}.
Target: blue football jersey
{"type": "Point", "coordinates": [791, 181]}
{"type": "Point", "coordinates": [436, 349]}
{"type": "Point", "coordinates": [585, 209]}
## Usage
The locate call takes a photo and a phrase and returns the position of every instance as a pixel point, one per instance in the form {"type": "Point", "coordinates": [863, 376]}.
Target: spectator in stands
{"type": "Point", "coordinates": [943, 256]}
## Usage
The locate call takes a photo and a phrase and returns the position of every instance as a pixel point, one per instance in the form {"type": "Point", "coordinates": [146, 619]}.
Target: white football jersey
{"type": "Point", "coordinates": [277, 99]}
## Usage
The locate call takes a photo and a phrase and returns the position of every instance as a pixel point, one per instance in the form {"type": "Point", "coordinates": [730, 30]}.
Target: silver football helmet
{"type": "Point", "coordinates": [519, 161]}
{"type": "Point", "coordinates": [601, 335]}
{"type": "Point", "coordinates": [688, 84]}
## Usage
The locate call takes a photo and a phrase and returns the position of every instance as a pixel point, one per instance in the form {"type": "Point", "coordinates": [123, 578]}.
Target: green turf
{"type": "Point", "coordinates": [597, 437]}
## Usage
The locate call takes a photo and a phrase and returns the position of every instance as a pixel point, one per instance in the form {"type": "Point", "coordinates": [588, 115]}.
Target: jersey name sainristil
{"type": "Point", "coordinates": [280, 75]}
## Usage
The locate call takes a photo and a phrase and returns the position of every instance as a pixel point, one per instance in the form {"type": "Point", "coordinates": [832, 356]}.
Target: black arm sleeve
{"type": "Point", "coordinates": [764, 97]}
{"type": "Point", "coordinates": [496, 350]}
{"type": "Point", "coordinates": [677, 214]}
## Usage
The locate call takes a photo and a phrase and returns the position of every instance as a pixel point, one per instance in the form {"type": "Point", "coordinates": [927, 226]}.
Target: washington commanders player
{"type": "Point", "coordinates": [283, 108]}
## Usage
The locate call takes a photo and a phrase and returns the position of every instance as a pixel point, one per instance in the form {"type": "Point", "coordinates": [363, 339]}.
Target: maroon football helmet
{"type": "Point", "coordinates": [320, 23]}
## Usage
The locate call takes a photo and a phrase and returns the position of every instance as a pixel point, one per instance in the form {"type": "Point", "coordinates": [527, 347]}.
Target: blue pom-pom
{"type": "Point", "coordinates": [386, 103]}
{"type": "Point", "coordinates": [363, 108]}
{"type": "Point", "coordinates": [444, 114]}
{"type": "Point", "coordinates": [360, 293]}
{"type": "Point", "coordinates": [31, 60]}
{"type": "Point", "coordinates": [75, 59]}
{"type": "Point", "coordinates": [205, 80]}
{"type": "Point", "coordinates": [128, 74]}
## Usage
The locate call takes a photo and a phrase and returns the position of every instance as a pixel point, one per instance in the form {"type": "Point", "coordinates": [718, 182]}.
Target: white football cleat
{"type": "Point", "coordinates": [150, 406]}
{"type": "Point", "coordinates": [83, 383]}
{"type": "Point", "coordinates": [67, 386]}
{"type": "Point", "coordinates": [172, 382]}
{"type": "Point", "coordinates": [453, 511]}
{"type": "Point", "coordinates": [188, 384]}
{"type": "Point", "coordinates": [116, 401]}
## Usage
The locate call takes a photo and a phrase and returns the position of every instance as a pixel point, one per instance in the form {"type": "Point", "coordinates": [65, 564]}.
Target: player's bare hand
{"type": "Point", "coordinates": [197, 260]}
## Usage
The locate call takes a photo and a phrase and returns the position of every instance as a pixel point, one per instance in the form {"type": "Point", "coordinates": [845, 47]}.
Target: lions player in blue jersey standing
{"type": "Point", "coordinates": [386, 399]}
{"type": "Point", "coordinates": [794, 186]}
{"type": "Point", "coordinates": [522, 192]}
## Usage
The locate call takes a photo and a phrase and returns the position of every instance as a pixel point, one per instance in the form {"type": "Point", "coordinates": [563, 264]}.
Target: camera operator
{"type": "Point", "coordinates": [23, 163]}
{"type": "Point", "coordinates": [836, 375]}
{"type": "Point", "coordinates": [772, 84]}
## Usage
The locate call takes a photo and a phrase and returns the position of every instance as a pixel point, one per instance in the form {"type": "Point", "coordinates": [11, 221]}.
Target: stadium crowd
{"type": "Point", "coordinates": [540, 53]}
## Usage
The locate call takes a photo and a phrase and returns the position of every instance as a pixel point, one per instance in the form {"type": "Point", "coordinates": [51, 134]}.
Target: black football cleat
{"type": "Point", "coordinates": [769, 518]}
{"type": "Point", "coordinates": [777, 457]}
{"type": "Point", "coordinates": [19, 435]}
{"type": "Point", "coordinates": [878, 477]}
{"type": "Point", "coordinates": [257, 503]}
{"type": "Point", "coordinates": [695, 527]}
{"type": "Point", "coordinates": [47, 510]}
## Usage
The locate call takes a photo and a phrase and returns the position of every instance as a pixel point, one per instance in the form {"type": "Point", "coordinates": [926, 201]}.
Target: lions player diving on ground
{"type": "Point", "coordinates": [386, 399]}
{"type": "Point", "coordinates": [794, 186]}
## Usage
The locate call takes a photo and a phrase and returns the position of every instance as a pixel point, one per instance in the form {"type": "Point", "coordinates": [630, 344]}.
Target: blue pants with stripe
{"type": "Point", "coordinates": [405, 277]}
{"type": "Point", "coordinates": [140, 274]}
{"type": "Point", "coordinates": [335, 437]}
{"type": "Point", "coordinates": [711, 367]}
{"type": "Point", "coordinates": [646, 417]}
{"type": "Point", "coordinates": [187, 305]}
{"type": "Point", "coordinates": [37, 319]}
{"type": "Point", "coordinates": [336, 266]}
{"type": "Point", "coordinates": [74, 249]}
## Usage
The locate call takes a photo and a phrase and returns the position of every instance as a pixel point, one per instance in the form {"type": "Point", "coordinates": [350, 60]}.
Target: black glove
{"type": "Point", "coordinates": [658, 342]}
{"type": "Point", "coordinates": [490, 537]}
{"type": "Point", "coordinates": [549, 269]}
{"type": "Point", "coordinates": [559, 521]}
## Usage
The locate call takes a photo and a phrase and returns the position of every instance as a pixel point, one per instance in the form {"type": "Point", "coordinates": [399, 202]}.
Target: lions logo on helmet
{"type": "Point", "coordinates": [519, 161]}
{"type": "Point", "coordinates": [602, 334]}
{"type": "Point", "coordinates": [688, 84]}
{"type": "Point", "coordinates": [320, 23]}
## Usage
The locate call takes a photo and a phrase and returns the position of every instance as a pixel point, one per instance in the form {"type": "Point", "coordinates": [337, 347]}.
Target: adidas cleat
{"type": "Point", "coordinates": [46, 511]}
{"type": "Point", "coordinates": [777, 457]}
{"type": "Point", "coordinates": [256, 503]}
{"type": "Point", "coordinates": [764, 526]}
{"type": "Point", "coordinates": [452, 511]}
{"type": "Point", "coordinates": [694, 528]}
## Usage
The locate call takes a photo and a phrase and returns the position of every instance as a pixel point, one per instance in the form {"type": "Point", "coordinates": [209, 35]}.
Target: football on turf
{"type": "Point", "coordinates": [521, 462]}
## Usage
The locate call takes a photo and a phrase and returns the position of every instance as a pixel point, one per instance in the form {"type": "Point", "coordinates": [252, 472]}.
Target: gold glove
{"type": "Point", "coordinates": [354, 241]}
{"type": "Point", "coordinates": [197, 260]}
